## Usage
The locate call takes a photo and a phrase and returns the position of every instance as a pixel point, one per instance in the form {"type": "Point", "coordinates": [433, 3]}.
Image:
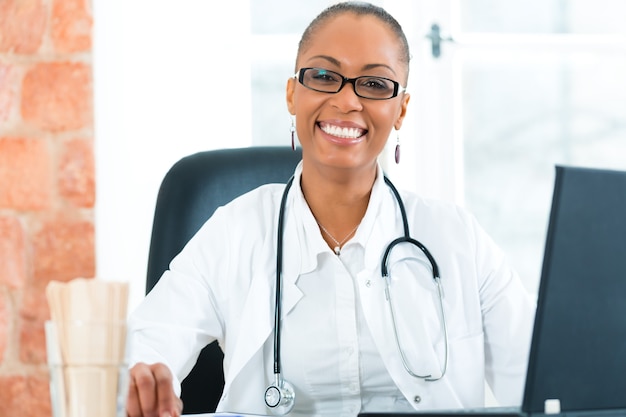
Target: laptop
{"type": "Point", "coordinates": [578, 351]}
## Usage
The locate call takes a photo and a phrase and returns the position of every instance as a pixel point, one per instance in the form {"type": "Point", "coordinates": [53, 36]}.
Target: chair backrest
{"type": "Point", "coordinates": [189, 194]}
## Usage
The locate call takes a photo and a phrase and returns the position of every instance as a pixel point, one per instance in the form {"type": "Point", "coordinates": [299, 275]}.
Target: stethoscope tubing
{"type": "Point", "coordinates": [279, 279]}
{"type": "Point", "coordinates": [283, 387]}
{"type": "Point", "coordinates": [384, 270]}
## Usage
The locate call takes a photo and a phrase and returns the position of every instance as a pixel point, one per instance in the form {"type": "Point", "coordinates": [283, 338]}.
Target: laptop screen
{"type": "Point", "coordinates": [578, 354]}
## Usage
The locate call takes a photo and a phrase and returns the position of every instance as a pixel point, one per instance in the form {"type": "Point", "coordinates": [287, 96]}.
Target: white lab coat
{"type": "Point", "coordinates": [221, 287]}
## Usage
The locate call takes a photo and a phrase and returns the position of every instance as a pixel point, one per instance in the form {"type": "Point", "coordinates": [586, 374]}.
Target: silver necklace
{"type": "Point", "coordinates": [338, 244]}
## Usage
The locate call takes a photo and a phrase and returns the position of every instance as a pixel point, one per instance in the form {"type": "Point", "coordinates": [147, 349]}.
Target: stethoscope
{"type": "Point", "coordinates": [280, 396]}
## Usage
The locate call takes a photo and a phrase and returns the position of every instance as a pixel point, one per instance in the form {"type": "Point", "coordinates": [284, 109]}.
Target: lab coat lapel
{"type": "Point", "coordinates": [291, 265]}
{"type": "Point", "coordinates": [257, 319]}
{"type": "Point", "coordinates": [292, 249]}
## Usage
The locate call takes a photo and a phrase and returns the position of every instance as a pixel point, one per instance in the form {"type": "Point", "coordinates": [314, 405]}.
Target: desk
{"type": "Point", "coordinates": [224, 415]}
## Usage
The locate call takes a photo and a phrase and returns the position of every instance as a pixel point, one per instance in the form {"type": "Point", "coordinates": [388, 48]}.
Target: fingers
{"type": "Point", "coordinates": [133, 407]}
{"type": "Point", "coordinates": [168, 402]}
{"type": "Point", "coordinates": [141, 400]}
{"type": "Point", "coordinates": [150, 392]}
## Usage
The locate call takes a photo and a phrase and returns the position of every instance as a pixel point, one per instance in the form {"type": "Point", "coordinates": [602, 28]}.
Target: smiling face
{"type": "Point", "coordinates": [343, 130]}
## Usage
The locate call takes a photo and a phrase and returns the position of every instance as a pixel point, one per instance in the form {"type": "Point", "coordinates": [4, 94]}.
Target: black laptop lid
{"type": "Point", "coordinates": [578, 353]}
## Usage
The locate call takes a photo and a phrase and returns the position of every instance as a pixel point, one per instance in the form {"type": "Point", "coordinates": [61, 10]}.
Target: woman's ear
{"type": "Point", "coordinates": [403, 106]}
{"type": "Point", "coordinates": [291, 87]}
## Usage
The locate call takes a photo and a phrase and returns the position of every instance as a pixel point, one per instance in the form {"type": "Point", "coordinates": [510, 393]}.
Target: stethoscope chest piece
{"type": "Point", "coordinates": [280, 397]}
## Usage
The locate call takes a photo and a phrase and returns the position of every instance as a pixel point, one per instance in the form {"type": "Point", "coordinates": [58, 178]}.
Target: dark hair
{"type": "Point", "coordinates": [359, 8]}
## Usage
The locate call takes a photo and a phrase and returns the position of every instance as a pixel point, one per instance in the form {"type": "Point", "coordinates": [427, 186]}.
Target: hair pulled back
{"type": "Point", "coordinates": [359, 8]}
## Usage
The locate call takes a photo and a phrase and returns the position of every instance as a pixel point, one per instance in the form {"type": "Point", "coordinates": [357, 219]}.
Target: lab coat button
{"type": "Point", "coordinates": [368, 283]}
{"type": "Point", "coordinates": [417, 399]}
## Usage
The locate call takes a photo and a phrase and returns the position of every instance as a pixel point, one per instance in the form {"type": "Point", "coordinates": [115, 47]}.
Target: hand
{"type": "Point", "coordinates": [150, 392]}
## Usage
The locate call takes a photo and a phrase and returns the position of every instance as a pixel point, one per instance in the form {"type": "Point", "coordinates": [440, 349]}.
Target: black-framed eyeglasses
{"type": "Point", "coordinates": [365, 86]}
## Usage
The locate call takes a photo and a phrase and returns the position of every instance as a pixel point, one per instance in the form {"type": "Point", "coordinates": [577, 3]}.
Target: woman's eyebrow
{"type": "Point", "coordinates": [366, 67]}
{"type": "Point", "coordinates": [373, 66]}
{"type": "Point", "coordinates": [328, 58]}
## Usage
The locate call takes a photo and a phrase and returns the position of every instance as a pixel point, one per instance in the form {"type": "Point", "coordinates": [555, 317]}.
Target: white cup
{"type": "Point", "coordinates": [88, 368]}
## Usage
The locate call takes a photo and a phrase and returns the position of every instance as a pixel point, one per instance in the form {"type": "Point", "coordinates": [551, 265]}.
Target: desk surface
{"type": "Point", "coordinates": [224, 415]}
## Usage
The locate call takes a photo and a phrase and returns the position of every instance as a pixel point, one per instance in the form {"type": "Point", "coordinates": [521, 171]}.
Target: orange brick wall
{"type": "Point", "coordinates": [46, 181]}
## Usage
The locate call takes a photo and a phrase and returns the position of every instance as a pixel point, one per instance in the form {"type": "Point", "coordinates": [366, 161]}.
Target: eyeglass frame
{"type": "Point", "coordinates": [397, 87]}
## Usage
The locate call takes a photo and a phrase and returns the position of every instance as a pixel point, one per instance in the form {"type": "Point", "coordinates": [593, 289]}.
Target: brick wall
{"type": "Point", "coordinates": [46, 181]}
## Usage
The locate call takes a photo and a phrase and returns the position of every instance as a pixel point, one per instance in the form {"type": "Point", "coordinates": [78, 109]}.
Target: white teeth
{"type": "Point", "coordinates": [342, 132]}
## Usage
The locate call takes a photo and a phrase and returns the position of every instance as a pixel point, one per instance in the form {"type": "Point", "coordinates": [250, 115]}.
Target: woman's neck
{"type": "Point", "coordinates": [338, 200]}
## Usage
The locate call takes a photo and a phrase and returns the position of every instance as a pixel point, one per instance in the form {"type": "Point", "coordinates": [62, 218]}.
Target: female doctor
{"type": "Point", "coordinates": [449, 314]}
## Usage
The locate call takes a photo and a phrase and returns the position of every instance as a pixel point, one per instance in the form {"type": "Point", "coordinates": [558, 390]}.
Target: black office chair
{"type": "Point", "coordinates": [190, 192]}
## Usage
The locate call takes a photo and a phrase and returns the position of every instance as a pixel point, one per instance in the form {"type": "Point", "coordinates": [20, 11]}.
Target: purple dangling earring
{"type": "Point", "coordinates": [293, 134]}
{"type": "Point", "coordinates": [398, 148]}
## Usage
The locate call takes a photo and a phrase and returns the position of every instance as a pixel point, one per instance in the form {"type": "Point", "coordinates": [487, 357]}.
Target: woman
{"type": "Point", "coordinates": [339, 347]}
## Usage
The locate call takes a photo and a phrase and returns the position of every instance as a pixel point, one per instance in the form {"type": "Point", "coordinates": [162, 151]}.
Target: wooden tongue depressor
{"type": "Point", "coordinates": [90, 316]}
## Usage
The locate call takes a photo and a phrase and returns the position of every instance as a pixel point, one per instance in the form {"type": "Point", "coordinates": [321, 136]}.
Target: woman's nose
{"type": "Point", "coordinates": [346, 99]}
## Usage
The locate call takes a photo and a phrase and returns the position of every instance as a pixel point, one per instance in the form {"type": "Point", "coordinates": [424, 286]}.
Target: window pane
{"type": "Point", "coordinates": [270, 119]}
{"type": "Point", "coordinates": [543, 16]}
{"type": "Point", "coordinates": [270, 17]}
{"type": "Point", "coordinates": [522, 116]}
